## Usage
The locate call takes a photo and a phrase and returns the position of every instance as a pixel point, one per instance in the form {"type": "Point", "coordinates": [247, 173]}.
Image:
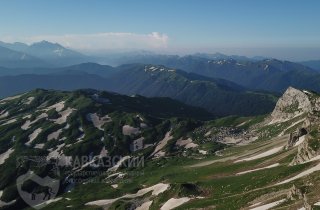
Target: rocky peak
{"type": "Point", "coordinates": [293, 103]}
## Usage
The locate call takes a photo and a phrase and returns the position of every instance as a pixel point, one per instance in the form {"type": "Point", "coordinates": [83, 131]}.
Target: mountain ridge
{"type": "Point", "coordinates": [188, 88]}
{"type": "Point", "coordinates": [281, 156]}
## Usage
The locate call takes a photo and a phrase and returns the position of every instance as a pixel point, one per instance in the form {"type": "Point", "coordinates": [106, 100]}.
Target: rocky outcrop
{"type": "Point", "coordinates": [294, 193]}
{"type": "Point", "coordinates": [295, 137]}
{"type": "Point", "coordinates": [293, 103]}
{"type": "Point", "coordinates": [304, 107]}
{"type": "Point", "coordinates": [304, 154]}
{"type": "Point", "coordinates": [306, 204]}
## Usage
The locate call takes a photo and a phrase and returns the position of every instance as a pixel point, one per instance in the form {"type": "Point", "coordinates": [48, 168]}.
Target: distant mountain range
{"type": "Point", "coordinates": [315, 64]}
{"type": "Point", "coordinates": [12, 59]}
{"type": "Point", "coordinates": [220, 97]}
{"type": "Point", "coordinates": [44, 54]}
{"type": "Point", "coordinates": [223, 85]}
{"type": "Point", "coordinates": [259, 74]}
{"type": "Point", "coordinates": [269, 74]}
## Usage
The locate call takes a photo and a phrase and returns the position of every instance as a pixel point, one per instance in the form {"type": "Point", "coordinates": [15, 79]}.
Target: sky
{"type": "Point", "coordinates": [287, 29]}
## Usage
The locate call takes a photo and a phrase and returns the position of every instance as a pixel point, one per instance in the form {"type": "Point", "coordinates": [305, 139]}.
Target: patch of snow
{"type": "Point", "coordinates": [256, 204]}
{"type": "Point", "coordinates": [160, 154]}
{"type": "Point", "coordinates": [139, 117]}
{"type": "Point", "coordinates": [58, 106]}
{"type": "Point", "coordinates": [11, 98]}
{"type": "Point", "coordinates": [128, 130]}
{"type": "Point", "coordinates": [55, 153]}
{"type": "Point", "coordinates": [155, 189]}
{"type": "Point", "coordinates": [269, 206]}
{"type": "Point", "coordinates": [103, 153]}
{"type": "Point", "coordinates": [317, 204]}
{"type": "Point", "coordinates": [292, 125]}
{"type": "Point", "coordinates": [259, 169]}
{"type": "Point", "coordinates": [300, 141]}
{"type": "Point", "coordinates": [203, 152]}
{"type": "Point", "coordinates": [243, 123]}
{"type": "Point", "coordinates": [54, 135]}
{"type": "Point", "coordinates": [28, 123]}
{"type": "Point", "coordinates": [64, 115]}
{"type": "Point", "coordinates": [207, 134]}
{"type": "Point", "coordinates": [81, 137]}
{"type": "Point", "coordinates": [64, 160]}
{"type": "Point", "coordinates": [186, 143]}
{"type": "Point", "coordinates": [4, 114]}
{"type": "Point", "coordinates": [313, 159]}
{"type": "Point", "coordinates": [152, 68]}
{"type": "Point", "coordinates": [307, 92]}
{"type": "Point", "coordinates": [97, 121]}
{"type": "Point", "coordinates": [33, 136]}
{"type": "Point", "coordinates": [157, 151]}
{"type": "Point", "coordinates": [114, 186]}
{"type": "Point", "coordinates": [119, 163]}
{"type": "Point", "coordinates": [174, 202]}
{"type": "Point", "coordinates": [41, 205]}
{"type": "Point", "coordinates": [148, 145]}
{"type": "Point", "coordinates": [116, 175]}
{"type": "Point", "coordinates": [39, 146]}
{"type": "Point", "coordinates": [29, 100]}
{"type": "Point", "coordinates": [10, 121]}
{"type": "Point", "coordinates": [303, 174]}
{"type": "Point", "coordinates": [262, 155]}
{"type": "Point", "coordinates": [27, 116]}
{"type": "Point", "coordinates": [59, 52]}
{"type": "Point", "coordinates": [5, 155]}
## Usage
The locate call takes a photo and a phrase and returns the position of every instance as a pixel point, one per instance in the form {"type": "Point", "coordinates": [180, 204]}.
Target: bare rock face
{"type": "Point", "coordinates": [292, 103]}
{"type": "Point", "coordinates": [297, 194]}
{"type": "Point", "coordinates": [294, 137]}
{"type": "Point", "coordinates": [306, 204]}
{"type": "Point", "coordinates": [303, 106]}
{"type": "Point", "coordinates": [305, 153]}
{"type": "Point", "coordinates": [294, 193]}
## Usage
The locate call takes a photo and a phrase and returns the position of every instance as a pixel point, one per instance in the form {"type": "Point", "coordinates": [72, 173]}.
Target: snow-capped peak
{"type": "Point", "coordinates": [157, 68]}
{"type": "Point", "coordinates": [59, 52]}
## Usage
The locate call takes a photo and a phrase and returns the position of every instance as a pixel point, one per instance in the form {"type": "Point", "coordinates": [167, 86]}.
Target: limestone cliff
{"type": "Point", "coordinates": [293, 103]}
{"type": "Point", "coordinates": [299, 111]}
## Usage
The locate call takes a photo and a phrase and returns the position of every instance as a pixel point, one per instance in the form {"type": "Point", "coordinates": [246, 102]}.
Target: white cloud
{"type": "Point", "coordinates": [105, 41]}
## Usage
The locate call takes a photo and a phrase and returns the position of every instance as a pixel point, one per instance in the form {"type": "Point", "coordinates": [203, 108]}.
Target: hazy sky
{"type": "Point", "coordinates": [280, 28]}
